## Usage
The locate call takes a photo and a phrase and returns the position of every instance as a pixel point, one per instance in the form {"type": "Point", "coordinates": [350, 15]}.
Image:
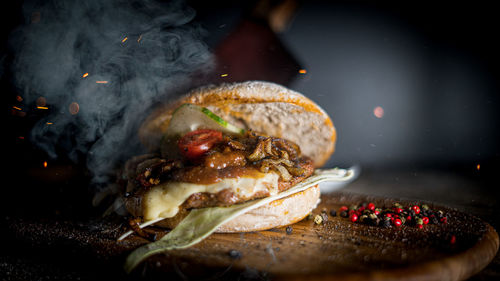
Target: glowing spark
{"type": "Point", "coordinates": [124, 39]}
{"type": "Point", "coordinates": [19, 98]}
{"type": "Point", "coordinates": [224, 75]}
{"type": "Point", "coordinates": [49, 123]}
{"type": "Point", "coordinates": [85, 75]}
{"type": "Point", "coordinates": [478, 167]}
{"type": "Point", "coordinates": [45, 164]}
{"type": "Point", "coordinates": [302, 71]}
{"type": "Point", "coordinates": [42, 107]}
{"type": "Point", "coordinates": [21, 138]}
{"type": "Point", "coordinates": [101, 82]}
{"type": "Point", "coordinates": [378, 112]}
{"type": "Point", "coordinates": [18, 108]}
{"type": "Point", "coordinates": [74, 108]}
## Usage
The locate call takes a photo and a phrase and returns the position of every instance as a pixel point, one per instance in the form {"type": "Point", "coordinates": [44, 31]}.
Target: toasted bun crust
{"type": "Point", "coordinates": [262, 106]}
{"type": "Point", "coordinates": [278, 213]}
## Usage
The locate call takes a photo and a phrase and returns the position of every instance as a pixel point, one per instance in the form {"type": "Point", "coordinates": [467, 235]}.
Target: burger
{"type": "Point", "coordinates": [234, 157]}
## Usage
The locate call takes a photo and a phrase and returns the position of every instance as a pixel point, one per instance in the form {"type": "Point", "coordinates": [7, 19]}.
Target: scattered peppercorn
{"type": "Point", "coordinates": [353, 217]}
{"type": "Point", "coordinates": [318, 219]}
{"type": "Point", "coordinates": [371, 206]}
{"type": "Point", "coordinates": [333, 213]}
{"type": "Point", "coordinates": [324, 216]}
{"type": "Point", "coordinates": [425, 220]}
{"type": "Point", "coordinates": [234, 254]}
{"type": "Point", "coordinates": [397, 215]}
{"type": "Point", "coordinates": [434, 219]}
{"type": "Point", "coordinates": [453, 239]}
{"type": "Point", "coordinates": [289, 230]}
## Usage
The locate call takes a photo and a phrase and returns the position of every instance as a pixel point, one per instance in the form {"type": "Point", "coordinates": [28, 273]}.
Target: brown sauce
{"type": "Point", "coordinates": [221, 160]}
{"type": "Point", "coordinates": [207, 175]}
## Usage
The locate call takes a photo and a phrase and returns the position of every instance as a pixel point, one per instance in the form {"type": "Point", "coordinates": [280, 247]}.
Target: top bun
{"type": "Point", "coordinates": [264, 107]}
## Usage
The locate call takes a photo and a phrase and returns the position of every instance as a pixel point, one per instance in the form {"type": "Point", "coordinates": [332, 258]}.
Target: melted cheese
{"type": "Point", "coordinates": [163, 200]}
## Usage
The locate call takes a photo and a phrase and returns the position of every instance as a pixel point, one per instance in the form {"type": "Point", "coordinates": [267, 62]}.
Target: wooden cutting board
{"type": "Point", "coordinates": [334, 250]}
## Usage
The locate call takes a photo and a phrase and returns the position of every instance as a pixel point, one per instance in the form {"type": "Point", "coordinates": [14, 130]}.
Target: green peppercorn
{"type": "Point", "coordinates": [403, 220]}
{"type": "Point", "coordinates": [318, 219]}
{"type": "Point", "coordinates": [363, 218]}
{"type": "Point", "coordinates": [440, 214]}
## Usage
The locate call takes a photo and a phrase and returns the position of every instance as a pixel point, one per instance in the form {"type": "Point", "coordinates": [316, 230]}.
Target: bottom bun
{"type": "Point", "coordinates": [281, 212]}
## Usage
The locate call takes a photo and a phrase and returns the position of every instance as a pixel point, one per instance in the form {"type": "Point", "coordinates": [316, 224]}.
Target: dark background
{"type": "Point", "coordinates": [432, 67]}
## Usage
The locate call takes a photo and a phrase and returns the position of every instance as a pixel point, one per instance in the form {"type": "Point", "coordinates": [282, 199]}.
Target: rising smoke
{"type": "Point", "coordinates": [142, 50]}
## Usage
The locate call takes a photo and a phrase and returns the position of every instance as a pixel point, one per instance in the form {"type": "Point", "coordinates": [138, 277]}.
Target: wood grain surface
{"type": "Point", "coordinates": [337, 249]}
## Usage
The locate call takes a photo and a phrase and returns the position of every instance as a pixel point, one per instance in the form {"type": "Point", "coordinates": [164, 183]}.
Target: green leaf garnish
{"type": "Point", "coordinates": [200, 223]}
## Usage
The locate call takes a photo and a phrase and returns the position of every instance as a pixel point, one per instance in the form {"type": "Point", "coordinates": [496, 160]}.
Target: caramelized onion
{"type": "Point", "coordinates": [258, 153]}
{"type": "Point", "coordinates": [284, 174]}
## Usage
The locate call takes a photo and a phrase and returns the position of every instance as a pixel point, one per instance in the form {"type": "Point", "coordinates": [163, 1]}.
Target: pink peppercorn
{"type": "Point", "coordinates": [425, 220]}
{"type": "Point", "coordinates": [353, 217]}
{"type": "Point", "coordinates": [371, 206]}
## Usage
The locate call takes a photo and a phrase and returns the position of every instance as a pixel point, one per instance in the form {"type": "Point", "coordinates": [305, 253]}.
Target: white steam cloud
{"type": "Point", "coordinates": [145, 50]}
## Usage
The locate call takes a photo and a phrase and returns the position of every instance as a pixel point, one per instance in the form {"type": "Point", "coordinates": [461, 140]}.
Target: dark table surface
{"type": "Point", "coordinates": [47, 190]}
{"type": "Point", "coordinates": [464, 190]}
